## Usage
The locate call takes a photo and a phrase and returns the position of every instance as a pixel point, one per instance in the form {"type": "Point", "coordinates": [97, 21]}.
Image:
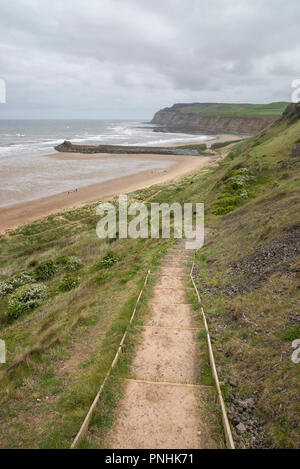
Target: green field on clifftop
{"type": "Point", "coordinates": [235, 110]}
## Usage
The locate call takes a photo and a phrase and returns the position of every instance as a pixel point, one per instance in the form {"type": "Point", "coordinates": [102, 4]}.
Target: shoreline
{"type": "Point", "coordinates": [19, 214]}
{"type": "Point", "coordinates": [217, 139]}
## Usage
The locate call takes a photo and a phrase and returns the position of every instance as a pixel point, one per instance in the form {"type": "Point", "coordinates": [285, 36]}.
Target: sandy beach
{"type": "Point", "coordinates": [217, 139]}
{"type": "Point", "coordinates": [225, 138]}
{"type": "Point", "coordinates": [21, 213]}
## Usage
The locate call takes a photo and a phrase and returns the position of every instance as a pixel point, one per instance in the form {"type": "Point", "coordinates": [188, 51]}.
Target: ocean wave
{"type": "Point", "coordinates": [50, 142]}
{"type": "Point", "coordinates": [33, 139]}
{"type": "Point", "coordinates": [187, 139]}
{"type": "Point", "coordinates": [13, 135]}
{"type": "Point", "coordinates": [11, 147]}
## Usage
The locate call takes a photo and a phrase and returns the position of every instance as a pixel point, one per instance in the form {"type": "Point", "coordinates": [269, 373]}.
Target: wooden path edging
{"type": "Point", "coordinates": [84, 427]}
{"type": "Point", "coordinates": [226, 425]}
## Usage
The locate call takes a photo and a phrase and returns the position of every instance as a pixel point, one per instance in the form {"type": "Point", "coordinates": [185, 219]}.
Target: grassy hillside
{"type": "Point", "coordinates": [61, 342]}
{"type": "Point", "coordinates": [235, 110]}
{"type": "Point", "coordinates": [249, 277]}
{"type": "Point", "coordinates": [59, 351]}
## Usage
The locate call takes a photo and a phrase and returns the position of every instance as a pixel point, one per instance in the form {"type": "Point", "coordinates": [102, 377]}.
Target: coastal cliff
{"type": "Point", "coordinates": [217, 118]}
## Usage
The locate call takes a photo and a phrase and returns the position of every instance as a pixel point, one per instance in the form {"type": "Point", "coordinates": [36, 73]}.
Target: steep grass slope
{"type": "Point", "coordinates": [60, 345]}
{"type": "Point", "coordinates": [249, 277]}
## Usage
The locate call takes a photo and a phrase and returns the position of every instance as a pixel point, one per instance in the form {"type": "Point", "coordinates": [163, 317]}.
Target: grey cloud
{"type": "Point", "coordinates": [127, 58]}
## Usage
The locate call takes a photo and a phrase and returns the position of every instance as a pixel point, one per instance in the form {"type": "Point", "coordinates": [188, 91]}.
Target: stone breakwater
{"type": "Point", "coordinates": [67, 146]}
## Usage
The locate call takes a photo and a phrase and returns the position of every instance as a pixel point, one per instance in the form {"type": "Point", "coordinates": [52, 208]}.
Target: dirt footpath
{"type": "Point", "coordinates": [163, 401]}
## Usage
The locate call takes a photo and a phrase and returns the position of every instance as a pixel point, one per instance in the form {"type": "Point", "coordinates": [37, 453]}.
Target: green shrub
{"type": "Point", "coordinates": [73, 264]}
{"type": "Point", "coordinates": [69, 263]}
{"type": "Point", "coordinates": [235, 189]}
{"type": "Point", "coordinates": [61, 260]}
{"type": "Point", "coordinates": [224, 210]}
{"type": "Point", "coordinates": [236, 182]}
{"type": "Point", "coordinates": [22, 279]}
{"type": "Point", "coordinates": [8, 286]}
{"type": "Point", "coordinates": [5, 287]}
{"type": "Point", "coordinates": [227, 201]}
{"type": "Point", "coordinates": [238, 178]}
{"type": "Point", "coordinates": [108, 260]}
{"type": "Point", "coordinates": [46, 270]}
{"type": "Point", "coordinates": [69, 282]}
{"type": "Point", "coordinates": [25, 299]}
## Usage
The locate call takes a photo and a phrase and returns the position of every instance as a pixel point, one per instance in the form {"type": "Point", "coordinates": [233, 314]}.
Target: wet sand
{"type": "Point", "coordinates": [21, 213]}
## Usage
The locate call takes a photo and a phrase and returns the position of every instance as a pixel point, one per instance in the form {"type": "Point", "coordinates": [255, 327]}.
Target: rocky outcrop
{"type": "Point", "coordinates": [175, 120]}
{"type": "Point", "coordinates": [293, 110]}
{"type": "Point", "coordinates": [68, 147]}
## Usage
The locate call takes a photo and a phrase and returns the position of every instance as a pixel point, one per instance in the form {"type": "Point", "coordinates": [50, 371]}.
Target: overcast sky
{"type": "Point", "coordinates": [129, 58]}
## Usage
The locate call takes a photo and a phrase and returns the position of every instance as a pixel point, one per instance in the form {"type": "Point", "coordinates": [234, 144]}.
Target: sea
{"type": "Point", "coordinates": [27, 173]}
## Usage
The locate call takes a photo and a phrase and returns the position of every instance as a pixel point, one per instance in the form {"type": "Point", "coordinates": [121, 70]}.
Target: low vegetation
{"type": "Point", "coordinates": [46, 270]}
{"type": "Point", "coordinates": [62, 330]}
{"type": "Point", "coordinates": [25, 299]}
{"type": "Point", "coordinates": [218, 145]}
{"type": "Point", "coordinates": [69, 282]}
{"type": "Point", "coordinates": [195, 146]}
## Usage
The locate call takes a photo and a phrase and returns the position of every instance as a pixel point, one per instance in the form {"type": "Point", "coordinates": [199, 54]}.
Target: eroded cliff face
{"type": "Point", "coordinates": [175, 120]}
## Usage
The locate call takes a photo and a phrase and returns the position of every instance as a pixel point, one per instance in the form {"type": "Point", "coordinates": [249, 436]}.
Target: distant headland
{"type": "Point", "coordinates": [217, 118]}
